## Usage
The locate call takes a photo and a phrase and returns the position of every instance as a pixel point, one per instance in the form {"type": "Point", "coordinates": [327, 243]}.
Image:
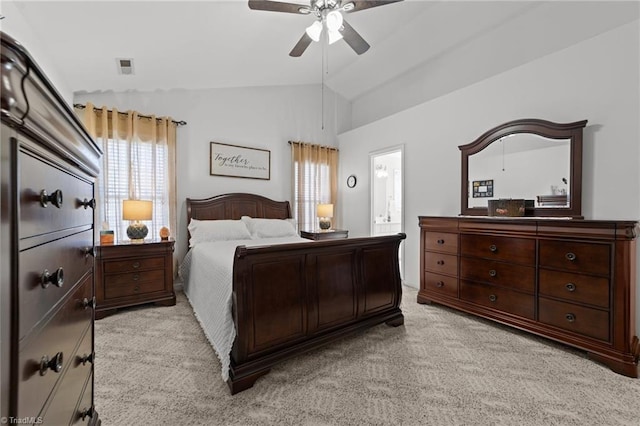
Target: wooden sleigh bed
{"type": "Point", "coordinates": [291, 298]}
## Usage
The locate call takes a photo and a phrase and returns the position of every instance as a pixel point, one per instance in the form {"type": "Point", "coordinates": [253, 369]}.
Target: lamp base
{"type": "Point", "coordinates": [137, 231]}
{"type": "Point", "coordinates": [325, 224]}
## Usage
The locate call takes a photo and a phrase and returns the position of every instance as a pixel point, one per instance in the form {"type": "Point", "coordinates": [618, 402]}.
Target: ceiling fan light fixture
{"type": "Point", "coordinates": [314, 30]}
{"type": "Point", "coordinates": [334, 36]}
{"type": "Point", "coordinates": [334, 20]}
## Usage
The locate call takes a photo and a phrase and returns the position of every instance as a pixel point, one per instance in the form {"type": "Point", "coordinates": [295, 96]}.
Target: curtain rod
{"type": "Point", "coordinates": [313, 144]}
{"type": "Point", "coordinates": [95, 109]}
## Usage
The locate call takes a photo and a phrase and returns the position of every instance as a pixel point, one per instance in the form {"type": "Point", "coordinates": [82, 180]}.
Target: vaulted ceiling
{"type": "Point", "coordinates": [216, 44]}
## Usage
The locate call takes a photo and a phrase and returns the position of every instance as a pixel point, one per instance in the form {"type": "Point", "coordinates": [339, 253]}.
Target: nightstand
{"type": "Point", "coordinates": [332, 234]}
{"type": "Point", "coordinates": [132, 274]}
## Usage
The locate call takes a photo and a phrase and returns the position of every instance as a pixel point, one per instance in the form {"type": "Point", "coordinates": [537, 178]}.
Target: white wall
{"type": "Point", "coordinates": [597, 79]}
{"type": "Point", "coordinates": [17, 27]}
{"type": "Point", "coordinates": [262, 117]}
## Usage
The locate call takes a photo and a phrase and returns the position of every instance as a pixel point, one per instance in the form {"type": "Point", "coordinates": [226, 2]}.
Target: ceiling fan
{"type": "Point", "coordinates": [328, 16]}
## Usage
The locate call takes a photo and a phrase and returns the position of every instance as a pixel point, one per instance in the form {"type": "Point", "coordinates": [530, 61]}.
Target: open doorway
{"type": "Point", "coordinates": [387, 201]}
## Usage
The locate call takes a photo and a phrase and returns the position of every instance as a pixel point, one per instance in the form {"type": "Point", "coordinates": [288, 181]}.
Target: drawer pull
{"type": "Point", "coordinates": [493, 248]}
{"type": "Point", "coordinates": [493, 297]}
{"type": "Point", "coordinates": [57, 278]}
{"type": "Point", "coordinates": [87, 412]}
{"type": "Point", "coordinates": [570, 317]}
{"type": "Point", "coordinates": [54, 364]}
{"type": "Point", "coordinates": [135, 277]}
{"type": "Point", "coordinates": [136, 288]}
{"type": "Point", "coordinates": [441, 242]}
{"type": "Point", "coordinates": [440, 284]}
{"type": "Point", "coordinates": [87, 358]}
{"type": "Point", "coordinates": [570, 256]}
{"type": "Point", "coordinates": [87, 203]}
{"type": "Point", "coordinates": [89, 251]}
{"type": "Point", "coordinates": [136, 265]}
{"type": "Point", "coordinates": [89, 303]}
{"type": "Point", "coordinates": [570, 286]}
{"type": "Point", "coordinates": [440, 262]}
{"type": "Point", "coordinates": [55, 198]}
{"type": "Point", "coordinates": [493, 273]}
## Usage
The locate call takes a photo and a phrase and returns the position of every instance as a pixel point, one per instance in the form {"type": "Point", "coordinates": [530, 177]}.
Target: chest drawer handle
{"type": "Point", "coordinates": [441, 242]}
{"type": "Point", "coordinates": [89, 303]}
{"type": "Point", "coordinates": [89, 251]}
{"type": "Point", "coordinates": [136, 265]}
{"type": "Point", "coordinates": [87, 358]}
{"type": "Point", "coordinates": [570, 286]}
{"type": "Point", "coordinates": [440, 262]}
{"type": "Point", "coordinates": [570, 256]}
{"type": "Point", "coordinates": [55, 198]}
{"type": "Point", "coordinates": [57, 278]}
{"type": "Point", "coordinates": [493, 297]}
{"type": "Point", "coordinates": [493, 248]}
{"type": "Point", "coordinates": [570, 317]}
{"type": "Point", "coordinates": [493, 273]}
{"type": "Point", "coordinates": [87, 412]}
{"type": "Point", "coordinates": [87, 203]}
{"type": "Point", "coordinates": [440, 284]}
{"type": "Point", "coordinates": [54, 364]}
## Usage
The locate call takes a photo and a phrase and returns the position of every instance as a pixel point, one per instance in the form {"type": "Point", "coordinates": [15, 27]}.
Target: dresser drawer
{"type": "Point", "coordinates": [575, 287]}
{"type": "Point", "coordinates": [587, 321]}
{"type": "Point", "coordinates": [441, 284]}
{"type": "Point", "coordinates": [515, 250]}
{"type": "Point", "coordinates": [441, 241]}
{"type": "Point", "coordinates": [498, 298]}
{"type": "Point", "coordinates": [590, 258]}
{"type": "Point", "coordinates": [499, 273]}
{"type": "Point", "coordinates": [133, 265]}
{"type": "Point", "coordinates": [121, 285]}
{"type": "Point", "coordinates": [60, 409]}
{"type": "Point", "coordinates": [441, 263]}
{"type": "Point", "coordinates": [60, 335]}
{"type": "Point", "coordinates": [36, 219]}
{"type": "Point", "coordinates": [68, 253]}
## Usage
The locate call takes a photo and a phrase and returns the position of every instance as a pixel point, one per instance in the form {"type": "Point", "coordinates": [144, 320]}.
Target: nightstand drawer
{"type": "Point", "coordinates": [132, 265]}
{"type": "Point", "coordinates": [121, 285]}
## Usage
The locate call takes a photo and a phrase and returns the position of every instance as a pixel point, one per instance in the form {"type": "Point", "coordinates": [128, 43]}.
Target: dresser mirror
{"type": "Point", "coordinates": [527, 159]}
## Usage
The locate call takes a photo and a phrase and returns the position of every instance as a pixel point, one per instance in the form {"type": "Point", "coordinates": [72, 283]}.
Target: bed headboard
{"type": "Point", "coordinates": [234, 206]}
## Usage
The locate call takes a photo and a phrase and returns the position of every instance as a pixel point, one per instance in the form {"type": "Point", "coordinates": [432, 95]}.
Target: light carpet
{"type": "Point", "coordinates": [154, 366]}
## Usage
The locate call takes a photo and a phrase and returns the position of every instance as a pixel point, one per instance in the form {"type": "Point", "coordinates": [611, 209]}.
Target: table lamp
{"type": "Point", "coordinates": [325, 213]}
{"type": "Point", "coordinates": [137, 210]}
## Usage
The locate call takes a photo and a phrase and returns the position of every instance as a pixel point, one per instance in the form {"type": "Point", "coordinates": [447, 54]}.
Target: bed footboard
{"type": "Point", "coordinates": [288, 299]}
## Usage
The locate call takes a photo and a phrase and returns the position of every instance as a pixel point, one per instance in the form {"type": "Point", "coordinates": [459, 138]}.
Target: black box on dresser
{"type": "Point", "coordinates": [48, 168]}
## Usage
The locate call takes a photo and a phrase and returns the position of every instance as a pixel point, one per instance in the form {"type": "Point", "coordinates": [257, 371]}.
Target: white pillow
{"type": "Point", "coordinates": [217, 230]}
{"type": "Point", "coordinates": [270, 228]}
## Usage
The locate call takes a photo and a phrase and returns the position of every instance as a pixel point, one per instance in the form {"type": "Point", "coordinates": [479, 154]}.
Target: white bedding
{"type": "Point", "coordinates": [207, 272]}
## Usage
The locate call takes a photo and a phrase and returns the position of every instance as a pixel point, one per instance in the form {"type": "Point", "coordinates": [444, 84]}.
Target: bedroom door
{"type": "Point", "coordinates": [387, 186]}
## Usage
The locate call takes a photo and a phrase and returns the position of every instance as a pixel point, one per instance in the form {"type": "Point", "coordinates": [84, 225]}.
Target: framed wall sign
{"type": "Point", "coordinates": [239, 161]}
{"type": "Point", "coordinates": [482, 188]}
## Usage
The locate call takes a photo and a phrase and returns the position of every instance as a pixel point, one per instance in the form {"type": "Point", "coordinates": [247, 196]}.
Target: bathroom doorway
{"type": "Point", "coordinates": [387, 201]}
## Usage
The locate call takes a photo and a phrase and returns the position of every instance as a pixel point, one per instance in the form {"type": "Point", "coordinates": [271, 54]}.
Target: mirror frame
{"type": "Point", "coordinates": [547, 129]}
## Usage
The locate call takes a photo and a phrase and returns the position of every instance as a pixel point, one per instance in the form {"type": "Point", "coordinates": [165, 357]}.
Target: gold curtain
{"type": "Point", "coordinates": [314, 180]}
{"type": "Point", "coordinates": [139, 162]}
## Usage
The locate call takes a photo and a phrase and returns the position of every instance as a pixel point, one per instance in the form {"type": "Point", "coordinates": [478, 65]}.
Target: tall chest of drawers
{"type": "Point", "coordinates": [569, 280]}
{"type": "Point", "coordinates": [48, 168]}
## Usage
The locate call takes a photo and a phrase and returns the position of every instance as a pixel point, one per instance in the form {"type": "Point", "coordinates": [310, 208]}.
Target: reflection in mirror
{"type": "Point", "coordinates": [522, 165]}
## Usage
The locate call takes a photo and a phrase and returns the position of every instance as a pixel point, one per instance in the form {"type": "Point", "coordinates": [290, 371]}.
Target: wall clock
{"type": "Point", "coordinates": [351, 181]}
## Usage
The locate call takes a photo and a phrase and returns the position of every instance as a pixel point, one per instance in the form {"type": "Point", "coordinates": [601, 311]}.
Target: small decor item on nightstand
{"type": "Point", "coordinates": [137, 210]}
{"type": "Point", "coordinates": [164, 233]}
{"type": "Point", "coordinates": [325, 213]}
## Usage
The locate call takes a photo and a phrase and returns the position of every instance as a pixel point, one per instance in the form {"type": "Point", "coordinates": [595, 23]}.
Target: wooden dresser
{"type": "Point", "coordinates": [572, 281]}
{"type": "Point", "coordinates": [48, 168]}
{"type": "Point", "coordinates": [132, 274]}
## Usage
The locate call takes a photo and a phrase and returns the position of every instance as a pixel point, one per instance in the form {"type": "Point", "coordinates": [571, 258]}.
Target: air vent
{"type": "Point", "coordinates": [125, 66]}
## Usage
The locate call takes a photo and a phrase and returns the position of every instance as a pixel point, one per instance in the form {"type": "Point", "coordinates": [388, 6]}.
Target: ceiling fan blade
{"type": "Point", "coordinates": [301, 45]}
{"type": "Point", "coordinates": [353, 39]}
{"type": "Point", "coordinates": [366, 4]}
{"type": "Point", "coordinates": [277, 6]}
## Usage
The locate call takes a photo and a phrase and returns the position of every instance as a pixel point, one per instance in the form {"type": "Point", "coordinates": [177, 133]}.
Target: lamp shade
{"type": "Point", "coordinates": [137, 210]}
{"type": "Point", "coordinates": [325, 210]}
